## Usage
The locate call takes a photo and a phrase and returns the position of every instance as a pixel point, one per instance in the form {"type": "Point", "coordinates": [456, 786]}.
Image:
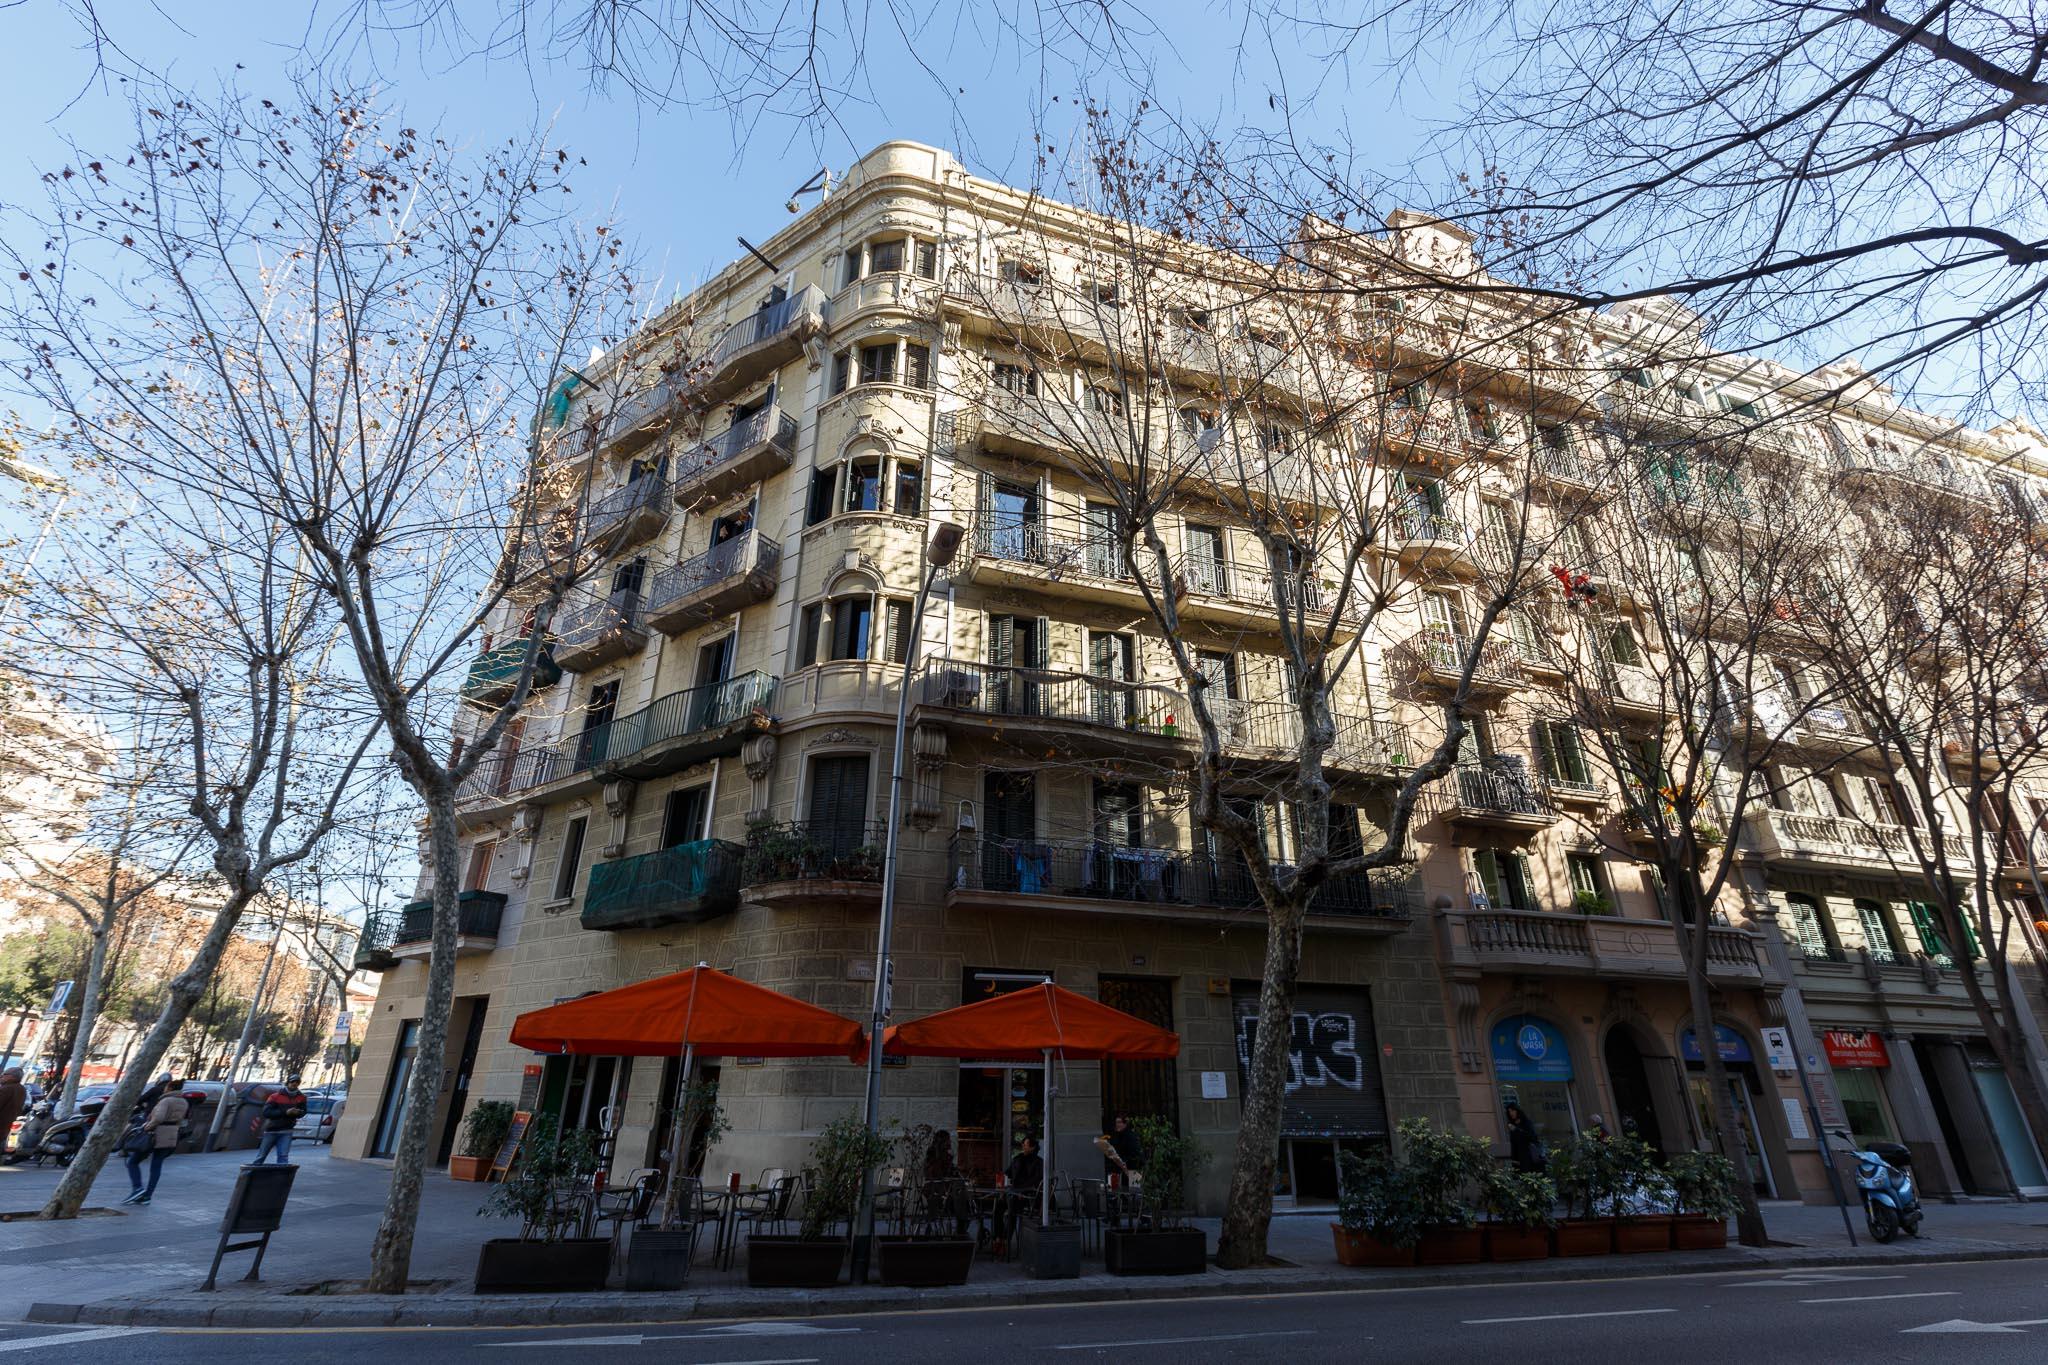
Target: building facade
{"type": "Point", "coordinates": [704, 774]}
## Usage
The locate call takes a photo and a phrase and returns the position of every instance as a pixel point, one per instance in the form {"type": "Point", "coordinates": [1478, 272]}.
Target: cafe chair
{"type": "Point", "coordinates": [691, 1211]}
{"type": "Point", "coordinates": [1088, 1212]}
{"type": "Point", "coordinates": [631, 1205]}
{"type": "Point", "coordinates": [771, 1213]}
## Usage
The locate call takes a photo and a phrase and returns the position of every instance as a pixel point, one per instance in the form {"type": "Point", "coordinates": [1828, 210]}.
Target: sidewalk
{"type": "Point", "coordinates": [142, 1267]}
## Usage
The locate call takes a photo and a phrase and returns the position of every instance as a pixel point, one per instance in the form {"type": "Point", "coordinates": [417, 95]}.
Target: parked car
{"type": "Point", "coordinates": [323, 1112]}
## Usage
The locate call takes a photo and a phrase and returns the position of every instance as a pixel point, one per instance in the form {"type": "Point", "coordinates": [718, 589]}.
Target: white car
{"type": "Point", "coordinates": [322, 1113]}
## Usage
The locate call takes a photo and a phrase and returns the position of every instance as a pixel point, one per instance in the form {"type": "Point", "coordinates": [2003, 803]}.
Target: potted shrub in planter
{"type": "Point", "coordinates": [938, 1254]}
{"type": "Point", "coordinates": [1375, 1224]}
{"type": "Point", "coordinates": [812, 1259]}
{"type": "Point", "coordinates": [1520, 1207]}
{"type": "Point", "coordinates": [1162, 1243]}
{"type": "Point", "coordinates": [1583, 1172]}
{"type": "Point", "coordinates": [1703, 1200]}
{"type": "Point", "coordinates": [549, 1190]}
{"type": "Point", "coordinates": [658, 1256]}
{"type": "Point", "coordinates": [483, 1132]}
{"type": "Point", "coordinates": [1642, 1198]}
{"type": "Point", "coordinates": [1442, 1171]}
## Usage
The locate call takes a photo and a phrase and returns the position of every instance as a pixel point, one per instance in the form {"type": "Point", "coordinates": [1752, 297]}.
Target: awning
{"type": "Point", "coordinates": [713, 1012]}
{"type": "Point", "coordinates": [1023, 1025]}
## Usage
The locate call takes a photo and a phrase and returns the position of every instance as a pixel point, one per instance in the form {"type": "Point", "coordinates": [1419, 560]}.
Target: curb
{"type": "Point", "coordinates": [365, 1312]}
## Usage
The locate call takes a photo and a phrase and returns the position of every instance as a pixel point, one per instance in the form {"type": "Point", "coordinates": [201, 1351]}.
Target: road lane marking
{"type": "Point", "coordinates": [1804, 1280]}
{"type": "Point", "coordinates": [1965, 1325]}
{"type": "Point", "coordinates": [1866, 1298]}
{"type": "Point", "coordinates": [1179, 1341]}
{"type": "Point", "coordinates": [63, 1338]}
{"type": "Point", "coordinates": [1565, 1317]}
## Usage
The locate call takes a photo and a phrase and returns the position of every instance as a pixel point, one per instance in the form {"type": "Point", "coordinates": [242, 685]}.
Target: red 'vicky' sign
{"type": "Point", "coordinates": [1854, 1047]}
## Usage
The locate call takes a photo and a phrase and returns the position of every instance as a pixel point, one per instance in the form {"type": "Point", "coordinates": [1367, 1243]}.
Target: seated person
{"type": "Point", "coordinates": [1021, 1180]}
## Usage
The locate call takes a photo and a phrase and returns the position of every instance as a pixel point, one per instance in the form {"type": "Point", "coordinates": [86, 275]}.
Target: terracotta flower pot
{"type": "Point", "coordinates": [468, 1167]}
{"type": "Point", "coordinates": [1451, 1246]}
{"type": "Point", "coordinates": [1583, 1237]}
{"type": "Point", "coordinates": [1506, 1242]}
{"type": "Point", "coordinates": [1647, 1232]}
{"type": "Point", "coordinates": [1360, 1249]}
{"type": "Point", "coordinates": [1699, 1232]}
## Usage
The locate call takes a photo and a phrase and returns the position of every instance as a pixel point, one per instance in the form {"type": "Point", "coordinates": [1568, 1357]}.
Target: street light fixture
{"type": "Point", "coordinates": [938, 553]}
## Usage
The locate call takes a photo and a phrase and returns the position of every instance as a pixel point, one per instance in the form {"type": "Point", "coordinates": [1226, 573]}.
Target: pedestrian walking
{"type": "Point", "coordinates": [1525, 1145]}
{"type": "Point", "coordinates": [282, 1110]}
{"type": "Point", "coordinates": [13, 1099]}
{"type": "Point", "coordinates": [155, 1136]}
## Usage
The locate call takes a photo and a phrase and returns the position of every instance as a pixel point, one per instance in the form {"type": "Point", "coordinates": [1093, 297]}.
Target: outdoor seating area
{"type": "Point", "coordinates": [587, 1227]}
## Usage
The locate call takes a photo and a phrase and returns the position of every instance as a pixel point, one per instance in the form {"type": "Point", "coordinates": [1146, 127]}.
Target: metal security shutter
{"type": "Point", "coordinates": [839, 802]}
{"type": "Point", "coordinates": [1333, 1073]}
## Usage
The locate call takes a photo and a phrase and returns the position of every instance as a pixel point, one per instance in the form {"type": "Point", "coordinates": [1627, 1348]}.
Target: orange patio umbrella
{"type": "Point", "coordinates": [700, 1012]}
{"type": "Point", "coordinates": [1032, 1025]}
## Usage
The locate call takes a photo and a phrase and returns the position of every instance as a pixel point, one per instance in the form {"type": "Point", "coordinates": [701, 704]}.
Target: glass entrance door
{"type": "Point", "coordinates": [1752, 1137]}
{"type": "Point", "coordinates": [2022, 1158]}
{"type": "Point", "coordinates": [397, 1091]}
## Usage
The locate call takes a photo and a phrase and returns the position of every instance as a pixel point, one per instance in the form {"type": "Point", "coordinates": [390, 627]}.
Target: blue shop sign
{"type": "Point", "coordinates": [1526, 1048]}
{"type": "Point", "coordinates": [1730, 1044]}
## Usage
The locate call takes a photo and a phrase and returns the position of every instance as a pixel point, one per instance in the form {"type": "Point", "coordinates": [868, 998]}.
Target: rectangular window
{"type": "Point", "coordinates": [917, 365]}
{"type": "Point", "coordinates": [928, 260]}
{"type": "Point", "coordinates": [479, 874]}
{"type": "Point", "coordinates": [885, 256]}
{"type": "Point", "coordinates": [1584, 871]}
{"type": "Point", "coordinates": [824, 483]}
{"type": "Point", "coordinates": [853, 624]}
{"type": "Point", "coordinates": [572, 857]}
{"type": "Point", "coordinates": [1564, 757]}
{"type": "Point", "coordinates": [908, 498]}
{"type": "Point", "coordinates": [864, 486]}
{"type": "Point", "coordinates": [1016, 379]}
{"type": "Point", "coordinates": [1505, 879]}
{"type": "Point", "coordinates": [1020, 273]}
{"type": "Point", "coordinates": [838, 805]}
{"type": "Point", "coordinates": [684, 816]}
{"type": "Point", "coordinates": [807, 635]}
{"type": "Point", "coordinates": [878, 363]}
{"type": "Point", "coordinates": [1806, 929]}
{"type": "Point", "coordinates": [1108, 402]}
{"type": "Point", "coordinates": [842, 368]}
{"type": "Point", "coordinates": [1878, 938]}
{"type": "Point", "coordinates": [1621, 645]}
{"type": "Point", "coordinates": [1119, 812]}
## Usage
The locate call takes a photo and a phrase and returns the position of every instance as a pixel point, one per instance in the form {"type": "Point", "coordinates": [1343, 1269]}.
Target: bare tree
{"type": "Point", "coordinates": [1168, 363]}
{"type": "Point", "coordinates": [1937, 627]}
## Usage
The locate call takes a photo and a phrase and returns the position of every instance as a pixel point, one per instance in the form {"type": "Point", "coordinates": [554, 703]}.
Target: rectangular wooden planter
{"type": "Point", "coordinates": [922, 1262]}
{"type": "Point", "coordinates": [659, 1258]}
{"type": "Point", "coordinates": [1505, 1242]}
{"type": "Point", "coordinates": [1583, 1237]}
{"type": "Point", "coordinates": [1174, 1251]}
{"type": "Point", "coordinates": [470, 1168]}
{"type": "Point", "coordinates": [1697, 1232]}
{"type": "Point", "coordinates": [576, 1265]}
{"type": "Point", "coordinates": [1050, 1253]}
{"type": "Point", "coordinates": [1450, 1246]}
{"type": "Point", "coordinates": [1362, 1250]}
{"type": "Point", "coordinates": [1648, 1232]}
{"type": "Point", "coordinates": [793, 1263]}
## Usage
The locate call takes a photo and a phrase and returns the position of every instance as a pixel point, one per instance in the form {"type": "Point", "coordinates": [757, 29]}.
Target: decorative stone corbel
{"type": "Point", "coordinates": [1465, 999]}
{"type": "Point", "coordinates": [525, 826]}
{"type": "Point", "coordinates": [928, 757]}
{"type": "Point", "coordinates": [757, 755]}
{"type": "Point", "coordinates": [618, 803]}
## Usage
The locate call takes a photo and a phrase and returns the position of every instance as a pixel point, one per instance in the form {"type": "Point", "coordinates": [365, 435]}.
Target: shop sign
{"type": "Point", "coordinates": [1730, 1044]}
{"type": "Point", "coordinates": [1526, 1048]}
{"type": "Point", "coordinates": [1778, 1049]}
{"type": "Point", "coordinates": [1854, 1047]}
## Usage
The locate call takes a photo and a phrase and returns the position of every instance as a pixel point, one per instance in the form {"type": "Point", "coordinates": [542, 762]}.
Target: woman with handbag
{"type": "Point", "coordinates": [154, 1135]}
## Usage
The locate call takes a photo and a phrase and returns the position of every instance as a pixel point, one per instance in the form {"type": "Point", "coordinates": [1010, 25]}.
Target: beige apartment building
{"type": "Point", "coordinates": [704, 774]}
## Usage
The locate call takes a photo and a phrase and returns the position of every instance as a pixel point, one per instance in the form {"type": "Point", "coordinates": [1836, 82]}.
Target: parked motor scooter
{"type": "Point", "coordinates": [62, 1139]}
{"type": "Point", "coordinates": [1884, 1175]}
{"type": "Point", "coordinates": [41, 1115]}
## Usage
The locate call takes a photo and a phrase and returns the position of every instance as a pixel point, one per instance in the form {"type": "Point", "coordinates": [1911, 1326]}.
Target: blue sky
{"type": "Point", "coordinates": [682, 185]}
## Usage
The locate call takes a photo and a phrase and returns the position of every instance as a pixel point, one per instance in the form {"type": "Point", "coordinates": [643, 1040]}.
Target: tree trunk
{"type": "Point", "coordinates": [1249, 1210]}
{"type": "Point", "coordinates": [1749, 1219]}
{"type": "Point", "coordinates": [391, 1252]}
{"type": "Point", "coordinates": [88, 1015]}
{"type": "Point", "coordinates": [185, 991]}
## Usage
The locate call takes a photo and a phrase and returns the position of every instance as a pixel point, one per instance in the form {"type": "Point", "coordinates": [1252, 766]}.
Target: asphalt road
{"type": "Point", "coordinates": [1994, 1311]}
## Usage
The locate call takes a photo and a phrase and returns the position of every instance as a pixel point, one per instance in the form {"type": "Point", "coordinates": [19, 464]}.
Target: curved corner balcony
{"type": "Point", "coordinates": [1048, 711]}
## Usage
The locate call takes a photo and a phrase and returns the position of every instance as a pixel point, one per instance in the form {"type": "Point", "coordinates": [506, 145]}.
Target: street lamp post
{"type": "Point", "coordinates": [939, 551]}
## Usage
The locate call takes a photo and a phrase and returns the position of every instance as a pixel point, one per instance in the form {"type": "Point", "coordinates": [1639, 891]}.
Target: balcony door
{"type": "Point", "coordinates": [685, 817]}
{"type": "Point", "coordinates": [711, 703]}
{"type": "Point", "coordinates": [1015, 642]}
{"type": "Point", "coordinates": [1104, 524]}
{"type": "Point", "coordinates": [1010, 859]}
{"type": "Point", "coordinates": [1015, 528]}
{"type": "Point", "coordinates": [838, 808]}
{"type": "Point", "coordinates": [1111, 656]}
{"type": "Point", "coordinates": [593, 744]}
{"type": "Point", "coordinates": [1208, 563]}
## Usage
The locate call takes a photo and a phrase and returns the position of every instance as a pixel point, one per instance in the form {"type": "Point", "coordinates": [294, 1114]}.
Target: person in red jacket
{"type": "Point", "coordinates": [281, 1113]}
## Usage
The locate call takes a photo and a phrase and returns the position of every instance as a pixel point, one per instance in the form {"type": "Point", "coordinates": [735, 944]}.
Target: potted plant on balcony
{"type": "Point", "coordinates": [775, 853]}
{"type": "Point", "coordinates": [1707, 834]}
{"type": "Point", "coordinates": [1443, 1171]}
{"type": "Point", "coordinates": [549, 1191]}
{"type": "Point", "coordinates": [811, 1259]}
{"type": "Point", "coordinates": [483, 1132]}
{"type": "Point", "coordinates": [1162, 1243]}
{"type": "Point", "coordinates": [1703, 1200]}
{"type": "Point", "coordinates": [1591, 903]}
{"type": "Point", "coordinates": [1375, 1224]}
{"type": "Point", "coordinates": [863, 864]}
{"type": "Point", "coordinates": [939, 1253]}
{"type": "Point", "coordinates": [1520, 1208]}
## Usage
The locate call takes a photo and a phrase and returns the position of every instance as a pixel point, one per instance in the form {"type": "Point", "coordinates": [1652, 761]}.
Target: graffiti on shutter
{"type": "Point", "coordinates": [1333, 1071]}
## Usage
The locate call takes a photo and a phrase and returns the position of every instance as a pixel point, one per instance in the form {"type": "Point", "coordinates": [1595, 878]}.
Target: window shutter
{"type": "Point", "coordinates": [1546, 752]}
{"type": "Point", "coordinates": [1002, 641]}
{"type": "Point", "coordinates": [899, 631]}
{"type": "Point", "coordinates": [1485, 863]}
{"type": "Point", "coordinates": [807, 636]}
{"type": "Point", "coordinates": [839, 800]}
{"type": "Point", "coordinates": [1525, 888]}
{"type": "Point", "coordinates": [822, 481]}
{"type": "Point", "coordinates": [1041, 639]}
{"type": "Point", "coordinates": [1928, 927]}
{"type": "Point", "coordinates": [928, 260]}
{"type": "Point", "coordinates": [842, 368]}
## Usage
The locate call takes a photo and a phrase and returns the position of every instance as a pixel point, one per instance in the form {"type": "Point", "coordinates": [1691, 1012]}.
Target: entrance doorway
{"type": "Point", "coordinates": [1628, 1077]}
{"type": "Point", "coordinates": [1140, 1089]}
{"type": "Point", "coordinates": [589, 1093]}
{"type": "Point", "coordinates": [397, 1091]}
{"type": "Point", "coordinates": [465, 1066]}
